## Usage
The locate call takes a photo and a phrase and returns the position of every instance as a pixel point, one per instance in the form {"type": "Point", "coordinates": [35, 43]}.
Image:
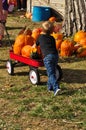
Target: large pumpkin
{"type": "Point", "coordinates": [19, 43]}
{"type": "Point", "coordinates": [26, 51]}
{"type": "Point", "coordinates": [35, 35]}
{"type": "Point", "coordinates": [67, 47]}
{"type": "Point", "coordinates": [36, 32]}
{"type": "Point", "coordinates": [58, 44]}
{"type": "Point", "coordinates": [79, 35]}
{"type": "Point", "coordinates": [29, 40]}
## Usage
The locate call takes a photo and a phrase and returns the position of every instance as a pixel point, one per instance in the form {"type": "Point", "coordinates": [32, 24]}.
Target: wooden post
{"type": "Point", "coordinates": [29, 6]}
{"type": "Point", "coordinates": [75, 16]}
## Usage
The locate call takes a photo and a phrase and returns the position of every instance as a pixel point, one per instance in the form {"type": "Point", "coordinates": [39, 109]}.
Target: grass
{"type": "Point", "coordinates": [24, 106]}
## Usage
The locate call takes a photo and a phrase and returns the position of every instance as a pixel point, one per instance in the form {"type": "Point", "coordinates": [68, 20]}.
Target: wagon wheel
{"type": "Point", "coordinates": [34, 76]}
{"type": "Point", "coordinates": [10, 67]}
{"type": "Point", "coordinates": [58, 72]}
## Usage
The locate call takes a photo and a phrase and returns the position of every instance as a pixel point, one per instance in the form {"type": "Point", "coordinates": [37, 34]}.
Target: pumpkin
{"type": "Point", "coordinates": [79, 35]}
{"type": "Point", "coordinates": [57, 35]}
{"type": "Point", "coordinates": [29, 40]}
{"type": "Point", "coordinates": [19, 43]}
{"type": "Point", "coordinates": [58, 44]}
{"type": "Point", "coordinates": [37, 30]}
{"type": "Point", "coordinates": [82, 54]}
{"type": "Point", "coordinates": [26, 51]}
{"type": "Point", "coordinates": [17, 49]}
{"type": "Point", "coordinates": [52, 19]}
{"type": "Point", "coordinates": [66, 48]}
{"type": "Point", "coordinates": [28, 15]}
{"type": "Point", "coordinates": [83, 41]}
{"type": "Point", "coordinates": [76, 47]}
{"type": "Point", "coordinates": [35, 35]}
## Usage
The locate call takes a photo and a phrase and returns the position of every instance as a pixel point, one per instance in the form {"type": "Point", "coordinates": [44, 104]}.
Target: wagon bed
{"type": "Point", "coordinates": [33, 64]}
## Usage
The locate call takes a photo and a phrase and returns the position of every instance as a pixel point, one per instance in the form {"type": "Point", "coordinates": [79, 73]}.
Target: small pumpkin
{"type": "Point", "coordinates": [52, 19]}
{"type": "Point", "coordinates": [28, 15]}
{"type": "Point", "coordinates": [79, 35]}
{"type": "Point", "coordinates": [82, 53]}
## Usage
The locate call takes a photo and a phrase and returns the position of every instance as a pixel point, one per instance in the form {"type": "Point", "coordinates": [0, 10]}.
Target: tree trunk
{"type": "Point", "coordinates": [75, 16]}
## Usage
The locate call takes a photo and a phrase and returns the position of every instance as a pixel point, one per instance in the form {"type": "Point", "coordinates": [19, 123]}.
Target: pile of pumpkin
{"type": "Point", "coordinates": [68, 46]}
{"type": "Point", "coordinates": [26, 39]}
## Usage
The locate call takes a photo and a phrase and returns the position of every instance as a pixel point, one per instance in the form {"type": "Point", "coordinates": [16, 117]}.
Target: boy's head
{"type": "Point", "coordinates": [47, 26]}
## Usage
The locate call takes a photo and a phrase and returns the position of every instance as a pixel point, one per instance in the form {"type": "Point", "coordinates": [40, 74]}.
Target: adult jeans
{"type": "Point", "coordinates": [21, 4]}
{"type": "Point", "coordinates": [50, 62]}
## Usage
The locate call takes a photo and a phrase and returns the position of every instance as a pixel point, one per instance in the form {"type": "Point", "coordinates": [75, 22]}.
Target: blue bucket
{"type": "Point", "coordinates": [40, 13]}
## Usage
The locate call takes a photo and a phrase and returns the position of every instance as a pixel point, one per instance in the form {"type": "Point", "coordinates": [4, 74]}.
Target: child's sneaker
{"type": "Point", "coordinates": [57, 90]}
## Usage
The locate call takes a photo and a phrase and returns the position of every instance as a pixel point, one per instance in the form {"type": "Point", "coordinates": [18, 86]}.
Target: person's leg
{"type": "Point", "coordinates": [18, 4]}
{"type": "Point", "coordinates": [24, 4]}
{"type": "Point", "coordinates": [1, 33]}
{"type": "Point", "coordinates": [5, 13]}
{"type": "Point", "coordinates": [50, 63]}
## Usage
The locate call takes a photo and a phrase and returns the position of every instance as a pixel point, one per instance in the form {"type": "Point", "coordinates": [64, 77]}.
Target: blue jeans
{"type": "Point", "coordinates": [50, 62]}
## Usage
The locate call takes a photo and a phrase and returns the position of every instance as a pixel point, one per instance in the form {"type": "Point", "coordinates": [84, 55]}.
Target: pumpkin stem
{"type": "Point", "coordinates": [26, 29]}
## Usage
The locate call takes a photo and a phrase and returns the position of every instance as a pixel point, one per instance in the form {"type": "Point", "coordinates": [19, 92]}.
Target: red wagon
{"type": "Point", "coordinates": [32, 63]}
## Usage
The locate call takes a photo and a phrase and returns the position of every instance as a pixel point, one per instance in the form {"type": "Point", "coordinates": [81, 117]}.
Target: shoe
{"type": "Point", "coordinates": [50, 88]}
{"type": "Point", "coordinates": [22, 9]}
{"type": "Point", "coordinates": [19, 10]}
{"type": "Point", "coordinates": [57, 90]}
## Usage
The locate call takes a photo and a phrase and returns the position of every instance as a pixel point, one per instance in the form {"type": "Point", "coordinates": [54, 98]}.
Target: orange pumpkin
{"type": "Point", "coordinates": [67, 47]}
{"type": "Point", "coordinates": [52, 19]}
{"type": "Point", "coordinates": [17, 49]}
{"type": "Point", "coordinates": [35, 35]}
{"type": "Point", "coordinates": [83, 41]}
{"type": "Point", "coordinates": [26, 51]}
{"type": "Point", "coordinates": [58, 44]}
{"type": "Point", "coordinates": [76, 47]}
{"type": "Point", "coordinates": [57, 35]}
{"type": "Point", "coordinates": [79, 35]}
{"type": "Point", "coordinates": [82, 54]}
{"type": "Point", "coordinates": [37, 30]}
{"type": "Point", "coordinates": [28, 15]}
{"type": "Point", "coordinates": [19, 43]}
{"type": "Point", "coordinates": [29, 40]}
